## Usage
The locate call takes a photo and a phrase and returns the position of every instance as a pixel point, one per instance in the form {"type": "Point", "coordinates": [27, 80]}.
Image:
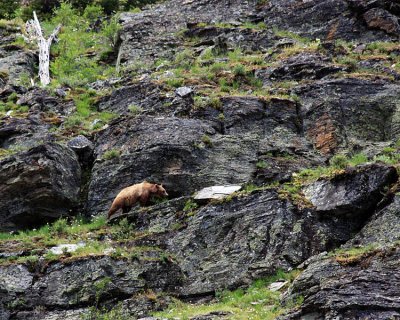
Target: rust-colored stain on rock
{"type": "Point", "coordinates": [323, 135]}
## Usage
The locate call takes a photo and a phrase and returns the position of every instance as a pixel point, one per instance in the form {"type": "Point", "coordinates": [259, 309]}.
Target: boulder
{"type": "Point", "coordinates": [40, 100]}
{"type": "Point", "coordinates": [23, 133]}
{"type": "Point", "coordinates": [354, 193]}
{"type": "Point", "coordinates": [83, 147]}
{"type": "Point", "coordinates": [37, 186]}
{"type": "Point", "coordinates": [299, 67]}
{"type": "Point", "coordinates": [322, 19]}
{"type": "Point", "coordinates": [365, 288]}
{"type": "Point", "coordinates": [184, 92]}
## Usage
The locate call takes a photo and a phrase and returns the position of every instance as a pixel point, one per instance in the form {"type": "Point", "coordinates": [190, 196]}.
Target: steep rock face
{"type": "Point", "coordinates": [187, 155]}
{"type": "Point", "coordinates": [23, 133]}
{"type": "Point", "coordinates": [383, 227]}
{"type": "Point", "coordinates": [232, 243]}
{"type": "Point", "coordinates": [38, 185]}
{"type": "Point", "coordinates": [323, 19]}
{"type": "Point", "coordinates": [218, 246]}
{"type": "Point", "coordinates": [361, 20]}
{"type": "Point", "coordinates": [15, 62]}
{"type": "Point", "coordinates": [345, 113]}
{"type": "Point", "coordinates": [184, 154]}
{"type": "Point", "coordinates": [150, 34]}
{"type": "Point", "coordinates": [144, 95]}
{"type": "Point", "coordinates": [74, 285]}
{"type": "Point", "coordinates": [367, 288]}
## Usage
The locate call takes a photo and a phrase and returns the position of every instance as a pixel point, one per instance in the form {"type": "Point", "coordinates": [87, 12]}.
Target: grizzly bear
{"type": "Point", "coordinates": [140, 192]}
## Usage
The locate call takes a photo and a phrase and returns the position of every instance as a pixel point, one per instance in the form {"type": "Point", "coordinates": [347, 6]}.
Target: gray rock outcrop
{"type": "Point", "coordinates": [38, 185]}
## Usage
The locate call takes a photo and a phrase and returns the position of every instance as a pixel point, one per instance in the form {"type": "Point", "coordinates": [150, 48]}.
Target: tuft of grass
{"type": "Point", "coordinates": [175, 82]}
{"type": "Point", "coordinates": [239, 70]}
{"type": "Point", "coordinates": [190, 207]}
{"type": "Point", "coordinates": [358, 158]}
{"type": "Point", "coordinates": [135, 109]}
{"type": "Point", "coordinates": [339, 161]}
{"type": "Point", "coordinates": [291, 35]}
{"type": "Point", "coordinates": [59, 227]}
{"type": "Point", "coordinates": [261, 164]}
{"type": "Point", "coordinates": [111, 154]}
{"type": "Point", "coordinates": [207, 141]}
{"type": "Point", "coordinates": [255, 26]}
{"type": "Point", "coordinates": [351, 256]}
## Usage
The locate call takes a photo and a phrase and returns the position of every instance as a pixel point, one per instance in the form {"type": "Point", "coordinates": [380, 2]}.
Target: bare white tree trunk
{"type": "Point", "coordinates": [34, 33]}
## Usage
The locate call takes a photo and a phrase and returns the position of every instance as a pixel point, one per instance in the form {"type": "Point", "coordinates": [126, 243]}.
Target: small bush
{"type": "Point", "coordinates": [59, 227]}
{"type": "Point", "coordinates": [7, 8]}
{"type": "Point", "coordinates": [135, 109]}
{"type": "Point", "coordinates": [73, 121]}
{"type": "Point", "coordinates": [206, 140]}
{"type": "Point", "coordinates": [190, 205]}
{"type": "Point", "coordinates": [175, 82]}
{"type": "Point", "coordinates": [357, 159]}
{"type": "Point", "coordinates": [215, 102]}
{"type": "Point", "coordinates": [111, 154]}
{"type": "Point", "coordinates": [239, 70]}
{"type": "Point", "coordinates": [261, 164]}
{"type": "Point", "coordinates": [184, 59]}
{"type": "Point", "coordinates": [110, 31]}
{"type": "Point", "coordinates": [388, 150]}
{"type": "Point", "coordinates": [339, 161]}
{"type": "Point", "coordinates": [199, 102]}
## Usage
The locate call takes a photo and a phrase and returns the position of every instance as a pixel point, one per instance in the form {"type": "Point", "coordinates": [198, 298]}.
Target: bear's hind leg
{"type": "Point", "coordinates": [126, 209]}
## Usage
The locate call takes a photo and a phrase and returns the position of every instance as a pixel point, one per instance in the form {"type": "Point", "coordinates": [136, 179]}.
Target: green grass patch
{"type": "Point", "coordinates": [257, 302]}
{"type": "Point", "coordinates": [91, 233]}
{"type": "Point", "coordinates": [111, 154]}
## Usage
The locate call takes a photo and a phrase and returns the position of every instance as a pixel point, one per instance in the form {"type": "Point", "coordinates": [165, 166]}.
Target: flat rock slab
{"type": "Point", "coordinates": [216, 192]}
{"type": "Point", "coordinates": [60, 249]}
{"type": "Point", "coordinates": [275, 286]}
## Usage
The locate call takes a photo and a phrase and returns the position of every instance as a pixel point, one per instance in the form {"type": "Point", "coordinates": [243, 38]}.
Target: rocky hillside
{"type": "Point", "coordinates": [297, 102]}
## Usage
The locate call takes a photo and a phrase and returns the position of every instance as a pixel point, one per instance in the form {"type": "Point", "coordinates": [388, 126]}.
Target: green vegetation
{"type": "Point", "coordinates": [355, 255]}
{"type": "Point", "coordinates": [76, 231]}
{"type": "Point", "coordinates": [16, 110]}
{"type": "Point", "coordinates": [190, 207]}
{"type": "Point", "coordinates": [261, 164]}
{"type": "Point", "coordinates": [134, 109]}
{"type": "Point", "coordinates": [111, 154]}
{"type": "Point", "coordinates": [207, 141]}
{"type": "Point", "coordinates": [291, 35]}
{"type": "Point", "coordinates": [217, 74]}
{"type": "Point", "coordinates": [23, 9]}
{"type": "Point", "coordinates": [257, 302]}
{"type": "Point", "coordinates": [115, 313]}
{"type": "Point", "coordinates": [74, 64]}
{"type": "Point", "coordinates": [339, 161]}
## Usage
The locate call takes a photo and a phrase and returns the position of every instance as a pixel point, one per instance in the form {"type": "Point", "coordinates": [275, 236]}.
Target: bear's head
{"type": "Point", "coordinates": [159, 191]}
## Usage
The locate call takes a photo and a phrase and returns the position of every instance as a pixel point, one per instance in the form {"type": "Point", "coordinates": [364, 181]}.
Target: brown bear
{"type": "Point", "coordinates": [140, 192]}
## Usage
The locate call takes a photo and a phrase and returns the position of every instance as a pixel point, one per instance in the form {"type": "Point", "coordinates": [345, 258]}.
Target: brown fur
{"type": "Point", "coordinates": [140, 192]}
